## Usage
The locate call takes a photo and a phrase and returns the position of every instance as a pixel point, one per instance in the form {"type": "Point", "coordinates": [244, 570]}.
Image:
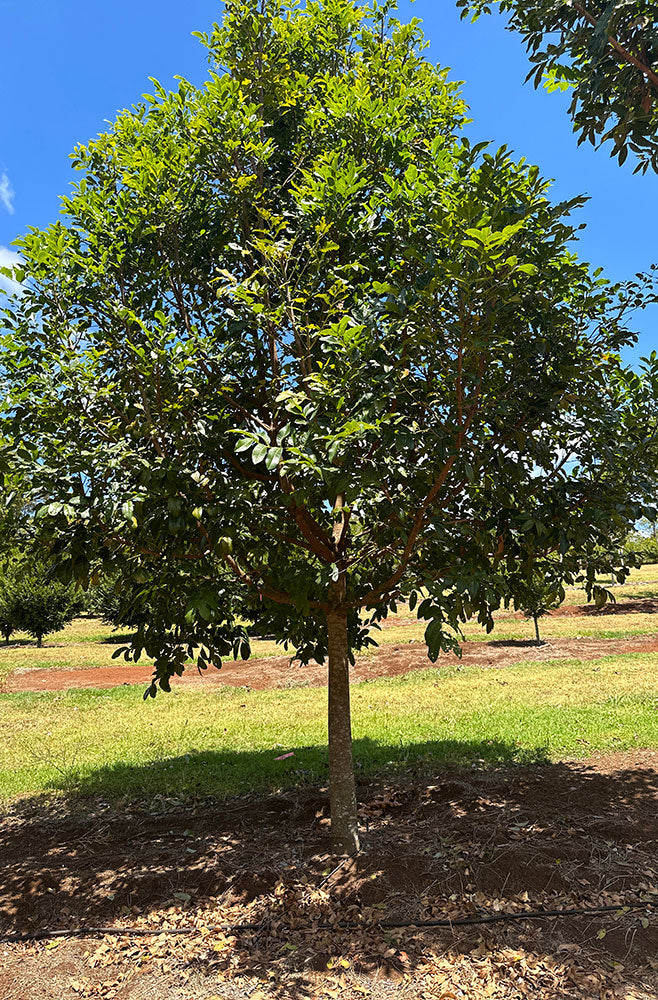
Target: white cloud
{"type": "Point", "coordinates": [6, 194]}
{"type": "Point", "coordinates": [7, 259]}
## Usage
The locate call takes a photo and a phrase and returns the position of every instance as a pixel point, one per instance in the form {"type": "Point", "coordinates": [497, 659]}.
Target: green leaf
{"type": "Point", "coordinates": [273, 458]}
{"type": "Point", "coordinates": [259, 453]}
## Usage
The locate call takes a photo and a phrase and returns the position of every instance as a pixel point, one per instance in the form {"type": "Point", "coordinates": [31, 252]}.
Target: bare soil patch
{"type": "Point", "coordinates": [279, 672]}
{"type": "Point", "coordinates": [460, 842]}
{"type": "Point", "coordinates": [640, 606]}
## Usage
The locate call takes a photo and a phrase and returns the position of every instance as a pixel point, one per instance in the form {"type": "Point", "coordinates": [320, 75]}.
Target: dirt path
{"type": "Point", "coordinates": [448, 842]}
{"type": "Point", "coordinates": [278, 672]}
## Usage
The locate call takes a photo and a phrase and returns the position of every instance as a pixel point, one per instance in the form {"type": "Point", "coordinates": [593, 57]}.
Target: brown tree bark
{"type": "Point", "coordinates": [342, 786]}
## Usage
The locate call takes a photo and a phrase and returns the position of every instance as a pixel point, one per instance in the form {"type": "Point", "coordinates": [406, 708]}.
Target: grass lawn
{"type": "Point", "coordinates": [224, 742]}
{"type": "Point", "coordinates": [622, 592]}
{"type": "Point", "coordinates": [618, 626]}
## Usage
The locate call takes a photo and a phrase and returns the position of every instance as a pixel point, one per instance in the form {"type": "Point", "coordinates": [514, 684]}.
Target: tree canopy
{"type": "Point", "coordinates": [297, 343]}
{"type": "Point", "coordinates": [607, 52]}
{"type": "Point", "coordinates": [31, 601]}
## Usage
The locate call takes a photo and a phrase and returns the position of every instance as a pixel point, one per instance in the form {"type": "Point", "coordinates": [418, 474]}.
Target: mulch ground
{"type": "Point", "coordinates": [639, 606]}
{"type": "Point", "coordinates": [463, 841]}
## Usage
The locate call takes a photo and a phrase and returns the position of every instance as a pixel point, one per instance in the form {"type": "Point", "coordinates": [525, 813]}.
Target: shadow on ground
{"type": "Point", "coordinates": [196, 773]}
{"type": "Point", "coordinates": [485, 834]}
{"type": "Point", "coordinates": [639, 606]}
{"type": "Point", "coordinates": [117, 638]}
{"type": "Point", "coordinates": [515, 643]}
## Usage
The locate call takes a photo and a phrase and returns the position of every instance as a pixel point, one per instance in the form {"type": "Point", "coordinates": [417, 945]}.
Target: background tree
{"type": "Point", "coordinates": [642, 542]}
{"type": "Point", "coordinates": [607, 52]}
{"type": "Point", "coordinates": [7, 606]}
{"type": "Point", "coordinates": [295, 338]}
{"type": "Point", "coordinates": [118, 602]}
{"type": "Point", "coordinates": [537, 595]}
{"type": "Point", "coordinates": [17, 531]}
{"type": "Point", "coordinates": [39, 605]}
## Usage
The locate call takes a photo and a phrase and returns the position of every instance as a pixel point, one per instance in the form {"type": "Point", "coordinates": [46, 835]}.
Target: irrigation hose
{"type": "Point", "coordinates": [487, 918]}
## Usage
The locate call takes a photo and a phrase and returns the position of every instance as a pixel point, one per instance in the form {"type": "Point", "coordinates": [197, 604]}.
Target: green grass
{"type": "Point", "coordinates": [225, 741]}
{"type": "Point", "coordinates": [618, 626]}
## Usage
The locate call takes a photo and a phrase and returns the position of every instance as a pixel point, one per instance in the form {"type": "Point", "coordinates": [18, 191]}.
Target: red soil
{"type": "Point", "coordinates": [278, 671]}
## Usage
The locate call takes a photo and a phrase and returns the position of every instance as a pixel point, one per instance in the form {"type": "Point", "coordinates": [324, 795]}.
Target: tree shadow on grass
{"type": "Point", "coordinates": [642, 605]}
{"type": "Point", "coordinates": [451, 828]}
{"type": "Point", "coordinates": [218, 773]}
{"type": "Point", "coordinates": [116, 638]}
{"type": "Point", "coordinates": [516, 643]}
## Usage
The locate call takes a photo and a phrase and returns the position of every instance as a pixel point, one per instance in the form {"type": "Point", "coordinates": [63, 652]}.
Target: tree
{"type": "Point", "coordinates": [297, 338]}
{"type": "Point", "coordinates": [16, 534]}
{"type": "Point", "coordinates": [607, 52]}
{"type": "Point", "coordinates": [642, 543]}
{"type": "Point", "coordinates": [39, 605]}
{"type": "Point", "coordinates": [7, 623]}
{"type": "Point", "coordinates": [118, 603]}
{"type": "Point", "coordinates": [537, 596]}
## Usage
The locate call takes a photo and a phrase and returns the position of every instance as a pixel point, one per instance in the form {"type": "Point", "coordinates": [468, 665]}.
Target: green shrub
{"type": "Point", "coordinates": [38, 605]}
{"type": "Point", "coordinates": [118, 603]}
{"type": "Point", "coordinates": [536, 597]}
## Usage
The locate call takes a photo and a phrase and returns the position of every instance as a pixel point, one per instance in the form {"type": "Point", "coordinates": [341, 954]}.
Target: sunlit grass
{"type": "Point", "coordinates": [223, 741]}
{"type": "Point", "coordinates": [618, 626]}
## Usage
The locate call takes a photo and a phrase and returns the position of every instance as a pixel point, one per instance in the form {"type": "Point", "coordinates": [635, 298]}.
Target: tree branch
{"type": "Point", "coordinates": [411, 539]}
{"type": "Point", "coordinates": [247, 473]}
{"type": "Point", "coordinates": [624, 53]}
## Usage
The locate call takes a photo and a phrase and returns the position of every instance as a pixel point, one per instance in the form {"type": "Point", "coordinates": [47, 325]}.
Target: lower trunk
{"type": "Point", "coordinates": [537, 630]}
{"type": "Point", "coordinates": [39, 641]}
{"type": "Point", "coordinates": [342, 788]}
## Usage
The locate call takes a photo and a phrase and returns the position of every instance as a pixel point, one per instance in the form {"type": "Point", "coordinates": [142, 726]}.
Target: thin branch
{"type": "Point", "coordinates": [247, 414]}
{"type": "Point", "coordinates": [624, 53]}
{"type": "Point", "coordinates": [247, 473]}
{"type": "Point", "coordinates": [411, 539]}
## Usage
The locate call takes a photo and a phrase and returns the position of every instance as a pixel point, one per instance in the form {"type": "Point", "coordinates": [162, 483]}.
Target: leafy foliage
{"type": "Point", "coordinates": [607, 52]}
{"type": "Point", "coordinates": [327, 350]}
{"type": "Point", "coordinates": [297, 338]}
{"type": "Point", "coordinates": [37, 604]}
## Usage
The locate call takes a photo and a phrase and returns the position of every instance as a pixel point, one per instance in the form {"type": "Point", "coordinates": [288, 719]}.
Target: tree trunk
{"type": "Point", "coordinates": [342, 788]}
{"type": "Point", "coordinates": [536, 618]}
{"type": "Point", "coordinates": [39, 641]}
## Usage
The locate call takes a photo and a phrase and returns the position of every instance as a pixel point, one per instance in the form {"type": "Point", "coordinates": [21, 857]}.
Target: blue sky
{"type": "Point", "coordinates": [69, 65]}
